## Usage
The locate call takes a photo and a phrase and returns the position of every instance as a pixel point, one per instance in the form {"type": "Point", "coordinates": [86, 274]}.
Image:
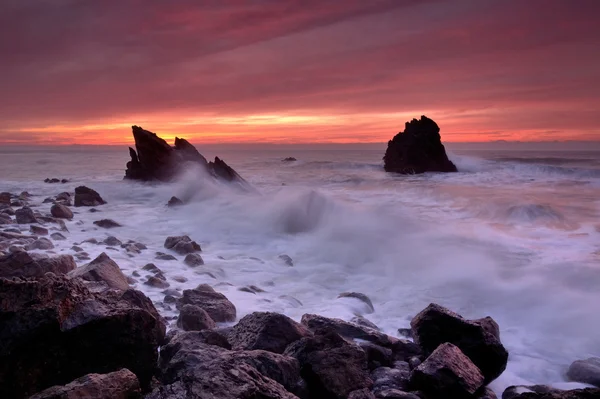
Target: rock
{"type": "Point", "coordinates": [363, 322]}
{"type": "Point", "coordinates": [85, 196]}
{"type": "Point", "coordinates": [194, 318]}
{"type": "Point", "coordinates": [22, 264]}
{"type": "Point", "coordinates": [41, 243]}
{"type": "Point", "coordinates": [75, 248]}
{"type": "Point", "coordinates": [346, 329]}
{"type": "Point", "coordinates": [37, 230]}
{"type": "Point", "coordinates": [361, 297]}
{"type": "Point", "coordinates": [447, 372]}
{"type": "Point", "coordinates": [289, 159]}
{"type": "Point", "coordinates": [193, 260]}
{"type": "Point", "coordinates": [487, 393]}
{"type": "Point", "coordinates": [156, 282]}
{"type": "Point", "coordinates": [361, 394]}
{"type": "Point", "coordinates": [157, 160]}
{"type": "Point", "coordinates": [64, 196]}
{"type": "Point", "coordinates": [58, 237]}
{"type": "Point", "coordinates": [5, 198]}
{"type": "Point", "coordinates": [386, 378]}
{"type": "Point", "coordinates": [152, 268]}
{"type": "Point", "coordinates": [162, 256]}
{"type": "Point", "coordinates": [182, 245]}
{"type": "Point", "coordinates": [330, 365]}
{"type": "Point", "coordinates": [252, 289]}
{"type": "Point", "coordinates": [396, 394]}
{"type": "Point", "coordinates": [5, 219]}
{"type": "Point", "coordinates": [476, 339]}
{"type": "Point", "coordinates": [174, 202]}
{"type": "Point", "coordinates": [52, 180]}
{"type": "Point", "coordinates": [25, 216]}
{"type": "Point", "coordinates": [103, 268]}
{"type": "Point", "coordinates": [112, 241]}
{"type": "Point", "coordinates": [404, 350]}
{"type": "Point", "coordinates": [122, 384]}
{"type": "Point", "coordinates": [418, 149]}
{"type": "Point", "coordinates": [107, 223]}
{"type": "Point", "coordinates": [54, 330]}
{"type": "Point", "coordinates": [377, 356]}
{"type": "Point", "coordinates": [61, 211]}
{"type": "Point", "coordinates": [545, 392]}
{"type": "Point", "coordinates": [268, 331]}
{"type": "Point", "coordinates": [286, 259]}
{"type": "Point", "coordinates": [218, 307]}
{"type": "Point", "coordinates": [586, 371]}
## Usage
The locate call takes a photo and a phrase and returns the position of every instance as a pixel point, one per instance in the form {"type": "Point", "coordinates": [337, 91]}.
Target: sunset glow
{"type": "Point", "coordinates": [297, 72]}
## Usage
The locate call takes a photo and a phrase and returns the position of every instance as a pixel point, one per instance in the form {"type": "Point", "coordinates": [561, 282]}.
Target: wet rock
{"type": "Point", "coordinates": [7, 210]}
{"type": "Point", "coordinates": [5, 198]}
{"type": "Point", "coordinates": [586, 371]}
{"type": "Point", "coordinates": [48, 200]}
{"type": "Point", "coordinates": [152, 268]}
{"type": "Point", "coordinates": [364, 322]}
{"type": "Point", "coordinates": [286, 259]}
{"type": "Point", "coordinates": [174, 202]}
{"type": "Point", "coordinates": [405, 332]}
{"type": "Point", "coordinates": [347, 329]}
{"type": "Point", "coordinates": [182, 245]}
{"type": "Point", "coordinates": [55, 330]}
{"type": "Point", "coordinates": [477, 339]}
{"type": "Point", "coordinates": [194, 318]}
{"type": "Point", "coordinates": [361, 297]}
{"type": "Point", "coordinates": [180, 279]}
{"type": "Point", "coordinates": [90, 241]}
{"type": "Point", "coordinates": [377, 356]}
{"type": "Point", "coordinates": [414, 362]}
{"type": "Point", "coordinates": [156, 282]}
{"type": "Point", "coordinates": [289, 159]}
{"type": "Point", "coordinates": [403, 349]}
{"type": "Point", "coordinates": [447, 372]}
{"type": "Point", "coordinates": [82, 256]}
{"type": "Point", "coordinates": [386, 378]}
{"type": "Point", "coordinates": [219, 308]}
{"type": "Point", "coordinates": [487, 393]}
{"type": "Point", "coordinates": [53, 180]}
{"type": "Point", "coordinates": [85, 196]}
{"type": "Point", "coordinates": [193, 260]}
{"type": "Point", "coordinates": [94, 210]}
{"type": "Point", "coordinates": [58, 237]}
{"type": "Point", "coordinates": [37, 230]}
{"type": "Point", "coordinates": [112, 241]}
{"type": "Point", "coordinates": [361, 394]}
{"type": "Point", "coordinates": [41, 243]}
{"type": "Point", "coordinates": [396, 394]}
{"type": "Point", "coordinates": [25, 216]}
{"type": "Point", "coordinates": [163, 256]}
{"type": "Point", "coordinates": [252, 289]}
{"type": "Point", "coordinates": [22, 264]}
{"type": "Point", "coordinates": [330, 365]}
{"type": "Point", "coordinates": [132, 249]}
{"type": "Point", "coordinates": [122, 384]}
{"type": "Point", "coordinates": [59, 222]}
{"type": "Point", "coordinates": [417, 149]}
{"type": "Point", "coordinates": [64, 196]}
{"type": "Point", "coordinates": [546, 392]}
{"type": "Point", "coordinates": [268, 331]}
{"type": "Point", "coordinates": [5, 219]}
{"type": "Point", "coordinates": [107, 224]}
{"type": "Point", "coordinates": [169, 299]}
{"type": "Point", "coordinates": [103, 268]}
{"type": "Point", "coordinates": [61, 211]}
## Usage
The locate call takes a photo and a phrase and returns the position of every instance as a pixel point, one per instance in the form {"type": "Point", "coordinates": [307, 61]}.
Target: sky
{"type": "Point", "coordinates": [298, 71]}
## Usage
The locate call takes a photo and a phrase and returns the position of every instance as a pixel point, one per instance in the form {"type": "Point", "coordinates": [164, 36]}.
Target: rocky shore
{"type": "Point", "coordinates": [75, 327]}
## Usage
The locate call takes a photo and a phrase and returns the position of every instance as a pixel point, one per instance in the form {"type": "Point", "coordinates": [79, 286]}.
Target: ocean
{"type": "Point", "coordinates": [514, 235]}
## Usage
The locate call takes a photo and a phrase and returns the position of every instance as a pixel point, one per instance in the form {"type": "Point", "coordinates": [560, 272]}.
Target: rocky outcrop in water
{"type": "Point", "coordinates": [418, 149]}
{"type": "Point", "coordinates": [154, 159]}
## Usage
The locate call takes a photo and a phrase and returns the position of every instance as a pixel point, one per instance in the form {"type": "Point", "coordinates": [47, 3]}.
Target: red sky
{"type": "Point", "coordinates": [84, 71]}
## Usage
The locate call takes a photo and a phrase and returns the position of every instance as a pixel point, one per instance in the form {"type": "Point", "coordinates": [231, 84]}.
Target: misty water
{"type": "Point", "coordinates": [514, 235]}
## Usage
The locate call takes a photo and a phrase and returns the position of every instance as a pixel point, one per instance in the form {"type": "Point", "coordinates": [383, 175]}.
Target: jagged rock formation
{"type": "Point", "coordinates": [418, 149]}
{"type": "Point", "coordinates": [157, 160]}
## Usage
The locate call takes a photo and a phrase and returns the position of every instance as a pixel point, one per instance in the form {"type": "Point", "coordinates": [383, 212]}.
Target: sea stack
{"type": "Point", "coordinates": [418, 149]}
{"type": "Point", "coordinates": [156, 160]}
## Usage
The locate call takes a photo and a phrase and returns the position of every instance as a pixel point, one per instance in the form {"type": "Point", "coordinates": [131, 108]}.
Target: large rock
{"type": "Point", "coordinates": [122, 384]}
{"type": "Point", "coordinates": [25, 216]}
{"type": "Point", "coordinates": [331, 366]}
{"type": "Point", "coordinates": [155, 159]}
{"type": "Point", "coordinates": [268, 331]}
{"type": "Point", "coordinates": [418, 149]}
{"type": "Point", "coordinates": [103, 268]}
{"type": "Point", "coordinates": [85, 196]}
{"type": "Point", "coordinates": [447, 372]}
{"type": "Point", "coordinates": [192, 369]}
{"type": "Point", "coordinates": [478, 339]}
{"type": "Point", "coordinates": [218, 307]}
{"type": "Point", "coordinates": [194, 318]}
{"type": "Point", "coordinates": [546, 392]}
{"type": "Point", "coordinates": [61, 211]}
{"type": "Point", "coordinates": [346, 329]}
{"type": "Point", "coordinates": [23, 264]}
{"type": "Point", "coordinates": [586, 371]}
{"type": "Point", "coordinates": [53, 330]}
{"type": "Point", "coordinates": [182, 245]}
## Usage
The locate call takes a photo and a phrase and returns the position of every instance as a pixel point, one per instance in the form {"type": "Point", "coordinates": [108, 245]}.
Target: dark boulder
{"type": "Point", "coordinates": [5, 198]}
{"type": "Point", "coordinates": [193, 260]}
{"type": "Point", "coordinates": [38, 231]}
{"type": "Point", "coordinates": [22, 264]}
{"type": "Point", "coordinates": [53, 330]}
{"type": "Point", "coordinates": [155, 159]}
{"type": "Point", "coordinates": [418, 149]}
{"type": "Point", "coordinates": [347, 329]}
{"type": "Point", "coordinates": [219, 308]}
{"type": "Point", "coordinates": [174, 202]}
{"type": "Point", "coordinates": [25, 216]}
{"type": "Point", "coordinates": [41, 243]}
{"type": "Point", "coordinates": [182, 245]}
{"type": "Point", "coordinates": [268, 331]}
{"type": "Point", "coordinates": [586, 371]}
{"type": "Point", "coordinates": [122, 384]}
{"type": "Point", "coordinates": [386, 378]}
{"type": "Point", "coordinates": [289, 159]}
{"type": "Point", "coordinates": [61, 211]}
{"type": "Point", "coordinates": [377, 356]}
{"type": "Point", "coordinates": [331, 366]}
{"type": "Point", "coordinates": [361, 394]}
{"type": "Point", "coordinates": [194, 318]}
{"type": "Point", "coordinates": [546, 392]}
{"type": "Point", "coordinates": [478, 339]}
{"type": "Point", "coordinates": [85, 196]}
{"type": "Point", "coordinates": [447, 372]}
{"type": "Point", "coordinates": [106, 223]}
{"type": "Point", "coordinates": [103, 268]}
